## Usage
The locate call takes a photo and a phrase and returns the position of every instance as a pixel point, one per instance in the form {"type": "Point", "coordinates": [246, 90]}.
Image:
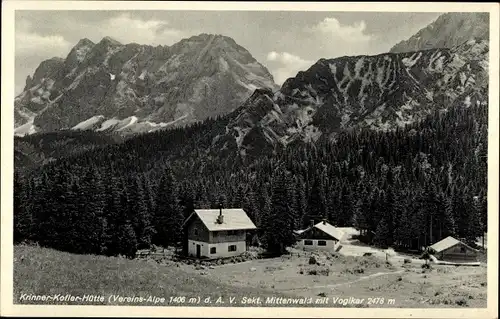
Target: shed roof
{"type": "Point", "coordinates": [446, 243]}
{"type": "Point", "coordinates": [234, 219]}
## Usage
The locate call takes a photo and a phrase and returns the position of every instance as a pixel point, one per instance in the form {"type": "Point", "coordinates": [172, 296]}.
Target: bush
{"type": "Point", "coordinates": [355, 270]}
{"type": "Point", "coordinates": [312, 260]}
{"type": "Point", "coordinates": [461, 302]}
{"type": "Point", "coordinates": [273, 268]}
{"type": "Point", "coordinates": [359, 270]}
{"type": "Point", "coordinates": [324, 272]}
{"type": "Point", "coordinates": [322, 294]}
{"type": "Point", "coordinates": [312, 272]}
{"type": "Point", "coordinates": [407, 261]}
{"type": "Point", "coordinates": [335, 255]}
{"type": "Point", "coordinates": [426, 266]}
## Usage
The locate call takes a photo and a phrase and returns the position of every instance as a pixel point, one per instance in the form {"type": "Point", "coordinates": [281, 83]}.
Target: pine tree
{"type": "Point", "coordinates": [141, 215]}
{"type": "Point", "coordinates": [22, 218]}
{"type": "Point", "coordinates": [449, 227]}
{"type": "Point", "coordinates": [250, 206]}
{"type": "Point", "coordinates": [128, 240]}
{"type": "Point", "coordinates": [265, 220]}
{"type": "Point", "coordinates": [278, 232]}
{"type": "Point", "coordinates": [88, 216]}
{"type": "Point", "coordinates": [239, 197]}
{"type": "Point", "coordinates": [114, 210]}
{"type": "Point", "coordinates": [202, 201]}
{"type": "Point", "coordinates": [475, 225]}
{"type": "Point", "coordinates": [293, 209]}
{"type": "Point", "coordinates": [382, 234]}
{"type": "Point", "coordinates": [168, 216]}
{"type": "Point", "coordinates": [301, 201]}
{"type": "Point", "coordinates": [316, 207]}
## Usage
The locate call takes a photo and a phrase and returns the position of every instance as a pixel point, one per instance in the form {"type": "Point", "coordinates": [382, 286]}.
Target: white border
{"type": "Point", "coordinates": [6, 301]}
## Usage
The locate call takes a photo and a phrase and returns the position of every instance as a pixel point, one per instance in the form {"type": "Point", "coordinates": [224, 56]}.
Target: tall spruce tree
{"type": "Point", "coordinates": [382, 234]}
{"type": "Point", "coordinates": [168, 215]}
{"type": "Point", "coordinates": [22, 215]}
{"type": "Point", "coordinates": [141, 217]}
{"type": "Point", "coordinates": [279, 233]}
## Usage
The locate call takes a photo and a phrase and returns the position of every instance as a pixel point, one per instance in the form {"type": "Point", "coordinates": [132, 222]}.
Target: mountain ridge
{"type": "Point", "coordinates": [113, 84]}
{"type": "Point", "coordinates": [448, 30]}
{"type": "Point", "coordinates": [380, 92]}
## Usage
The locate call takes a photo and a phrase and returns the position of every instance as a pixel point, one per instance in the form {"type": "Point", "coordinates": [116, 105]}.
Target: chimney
{"type": "Point", "coordinates": [312, 222]}
{"type": "Point", "coordinates": [220, 218]}
{"type": "Point", "coordinates": [324, 221]}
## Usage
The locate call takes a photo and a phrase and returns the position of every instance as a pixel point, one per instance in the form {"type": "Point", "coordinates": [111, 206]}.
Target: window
{"type": "Point", "coordinates": [321, 242]}
{"type": "Point", "coordinates": [308, 242]}
{"type": "Point", "coordinates": [231, 248]}
{"type": "Point", "coordinates": [462, 249]}
{"type": "Point", "coordinates": [231, 232]}
{"type": "Point", "coordinates": [196, 231]}
{"type": "Point", "coordinates": [213, 250]}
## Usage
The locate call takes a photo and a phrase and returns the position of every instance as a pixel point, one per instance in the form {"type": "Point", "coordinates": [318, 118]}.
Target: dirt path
{"type": "Point", "coordinates": [349, 282]}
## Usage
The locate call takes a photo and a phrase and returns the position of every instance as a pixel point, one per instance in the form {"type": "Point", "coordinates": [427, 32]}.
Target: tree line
{"type": "Point", "coordinates": [406, 188]}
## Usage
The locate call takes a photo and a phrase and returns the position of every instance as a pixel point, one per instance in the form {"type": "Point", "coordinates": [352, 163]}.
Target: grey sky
{"type": "Point", "coordinates": [285, 42]}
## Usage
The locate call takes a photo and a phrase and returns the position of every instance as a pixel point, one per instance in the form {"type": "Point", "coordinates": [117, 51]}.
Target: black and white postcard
{"type": "Point", "coordinates": [239, 159]}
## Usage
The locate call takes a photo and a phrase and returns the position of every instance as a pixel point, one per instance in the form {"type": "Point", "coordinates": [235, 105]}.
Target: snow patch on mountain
{"type": "Point", "coordinates": [25, 129]}
{"type": "Point", "coordinates": [76, 81]}
{"type": "Point", "coordinates": [126, 123]}
{"type": "Point", "coordinates": [89, 123]}
{"type": "Point", "coordinates": [108, 124]}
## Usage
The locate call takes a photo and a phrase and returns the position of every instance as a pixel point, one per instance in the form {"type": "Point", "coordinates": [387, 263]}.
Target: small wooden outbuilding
{"type": "Point", "coordinates": [321, 236]}
{"type": "Point", "coordinates": [454, 250]}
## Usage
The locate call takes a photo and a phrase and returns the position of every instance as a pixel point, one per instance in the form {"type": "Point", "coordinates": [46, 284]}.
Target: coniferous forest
{"type": "Point", "coordinates": [406, 188]}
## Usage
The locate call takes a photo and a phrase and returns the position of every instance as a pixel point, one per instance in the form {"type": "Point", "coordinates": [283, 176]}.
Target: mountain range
{"type": "Point", "coordinates": [134, 88]}
{"type": "Point", "coordinates": [111, 87]}
{"type": "Point", "coordinates": [379, 92]}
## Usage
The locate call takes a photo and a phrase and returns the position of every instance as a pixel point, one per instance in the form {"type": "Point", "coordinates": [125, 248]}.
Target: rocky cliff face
{"type": "Point", "coordinates": [449, 30]}
{"type": "Point", "coordinates": [379, 92]}
{"type": "Point", "coordinates": [137, 88]}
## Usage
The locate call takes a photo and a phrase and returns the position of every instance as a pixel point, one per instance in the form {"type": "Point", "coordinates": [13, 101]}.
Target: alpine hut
{"type": "Point", "coordinates": [216, 233]}
{"type": "Point", "coordinates": [454, 250]}
{"type": "Point", "coordinates": [320, 236]}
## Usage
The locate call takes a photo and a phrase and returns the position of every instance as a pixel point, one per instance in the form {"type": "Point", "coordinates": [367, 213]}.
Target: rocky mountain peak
{"type": "Point", "coordinates": [448, 30]}
{"type": "Point", "coordinates": [109, 41]}
{"type": "Point", "coordinates": [135, 88]}
{"type": "Point", "coordinates": [84, 42]}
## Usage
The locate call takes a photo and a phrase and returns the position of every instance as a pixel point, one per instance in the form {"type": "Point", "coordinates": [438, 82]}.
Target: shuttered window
{"type": "Point", "coordinates": [321, 243]}
{"type": "Point", "coordinates": [231, 248]}
{"type": "Point", "coordinates": [308, 242]}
